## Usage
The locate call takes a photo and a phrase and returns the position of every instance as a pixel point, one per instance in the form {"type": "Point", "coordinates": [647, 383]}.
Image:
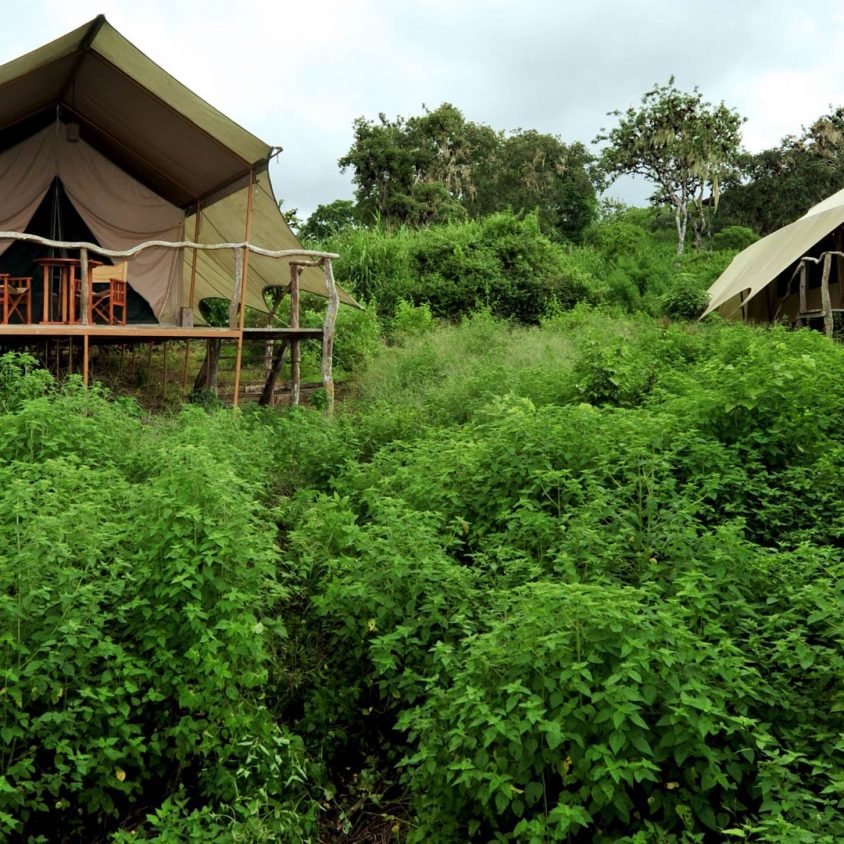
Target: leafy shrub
{"type": "Point", "coordinates": [686, 299]}
{"type": "Point", "coordinates": [586, 707]}
{"type": "Point", "coordinates": [137, 572]}
{"type": "Point", "coordinates": [734, 238]}
{"type": "Point", "coordinates": [411, 320]}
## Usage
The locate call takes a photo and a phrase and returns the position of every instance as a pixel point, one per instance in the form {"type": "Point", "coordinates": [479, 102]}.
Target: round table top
{"type": "Point", "coordinates": [66, 262]}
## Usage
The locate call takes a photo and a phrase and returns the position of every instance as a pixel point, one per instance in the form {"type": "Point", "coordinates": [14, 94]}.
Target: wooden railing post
{"type": "Point", "coordinates": [803, 274]}
{"type": "Point", "coordinates": [295, 352]}
{"type": "Point", "coordinates": [826, 304]}
{"type": "Point", "coordinates": [85, 281]}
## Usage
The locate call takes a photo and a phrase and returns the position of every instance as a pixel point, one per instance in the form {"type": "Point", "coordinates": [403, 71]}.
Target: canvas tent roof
{"type": "Point", "coordinates": [753, 269]}
{"type": "Point", "coordinates": [161, 136]}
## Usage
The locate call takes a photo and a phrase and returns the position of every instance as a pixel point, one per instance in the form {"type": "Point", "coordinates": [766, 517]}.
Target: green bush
{"type": "Point", "coordinates": [137, 578]}
{"type": "Point", "coordinates": [586, 707]}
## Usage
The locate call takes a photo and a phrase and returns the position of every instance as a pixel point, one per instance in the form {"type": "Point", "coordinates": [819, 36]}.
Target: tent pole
{"type": "Point", "coordinates": [239, 355]}
{"type": "Point", "coordinates": [196, 227]}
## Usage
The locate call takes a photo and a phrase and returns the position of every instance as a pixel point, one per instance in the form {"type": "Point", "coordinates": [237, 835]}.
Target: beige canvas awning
{"type": "Point", "coordinates": [163, 137]}
{"type": "Point", "coordinates": [758, 266]}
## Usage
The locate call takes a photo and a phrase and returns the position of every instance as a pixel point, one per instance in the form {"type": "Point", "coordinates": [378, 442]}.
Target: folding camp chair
{"type": "Point", "coordinates": [16, 294]}
{"type": "Point", "coordinates": [108, 294]}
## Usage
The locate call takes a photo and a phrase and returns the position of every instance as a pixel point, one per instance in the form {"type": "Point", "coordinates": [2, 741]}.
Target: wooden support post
{"type": "Point", "coordinates": [295, 351]}
{"type": "Point", "coordinates": [826, 305]}
{"type": "Point", "coordinates": [165, 344]}
{"type": "Point", "coordinates": [85, 360]}
{"type": "Point", "coordinates": [269, 387]}
{"type": "Point", "coordinates": [206, 378]}
{"type": "Point", "coordinates": [149, 361]}
{"type": "Point", "coordinates": [803, 273]}
{"type": "Point", "coordinates": [70, 357]}
{"type": "Point", "coordinates": [185, 370]}
{"type": "Point", "coordinates": [328, 335]}
{"type": "Point", "coordinates": [239, 354]}
{"type": "Point", "coordinates": [85, 290]}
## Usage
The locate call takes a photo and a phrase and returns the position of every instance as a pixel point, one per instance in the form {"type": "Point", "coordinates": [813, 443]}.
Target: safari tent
{"type": "Point", "coordinates": [794, 274]}
{"type": "Point", "coordinates": [101, 146]}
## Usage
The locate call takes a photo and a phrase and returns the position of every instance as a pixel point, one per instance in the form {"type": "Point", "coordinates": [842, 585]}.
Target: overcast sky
{"type": "Point", "coordinates": [298, 73]}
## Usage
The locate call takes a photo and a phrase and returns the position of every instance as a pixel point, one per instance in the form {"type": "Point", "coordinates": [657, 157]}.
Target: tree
{"type": "Point", "coordinates": [783, 182]}
{"type": "Point", "coordinates": [530, 170]}
{"type": "Point", "coordinates": [438, 166]}
{"type": "Point", "coordinates": [411, 171]}
{"type": "Point", "coordinates": [329, 219]}
{"type": "Point", "coordinates": [684, 145]}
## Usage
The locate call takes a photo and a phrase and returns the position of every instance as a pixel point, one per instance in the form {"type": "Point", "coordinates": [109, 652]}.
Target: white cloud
{"type": "Point", "coordinates": [298, 73]}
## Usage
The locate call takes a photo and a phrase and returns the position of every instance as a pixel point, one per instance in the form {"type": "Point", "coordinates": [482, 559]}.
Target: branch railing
{"type": "Point", "coordinates": [826, 302]}
{"type": "Point", "coordinates": [238, 298]}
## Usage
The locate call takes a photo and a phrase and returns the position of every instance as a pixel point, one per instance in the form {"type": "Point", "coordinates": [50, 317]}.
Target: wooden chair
{"type": "Point", "coordinates": [108, 294]}
{"type": "Point", "coordinates": [16, 294]}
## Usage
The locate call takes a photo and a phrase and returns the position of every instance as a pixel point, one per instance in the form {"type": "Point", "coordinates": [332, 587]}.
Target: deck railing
{"type": "Point", "coordinates": [238, 298]}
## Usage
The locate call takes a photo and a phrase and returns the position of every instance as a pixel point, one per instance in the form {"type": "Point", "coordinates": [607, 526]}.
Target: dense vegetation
{"type": "Point", "coordinates": [580, 582]}
{"type": "Point", "coordinates": [567, 565]}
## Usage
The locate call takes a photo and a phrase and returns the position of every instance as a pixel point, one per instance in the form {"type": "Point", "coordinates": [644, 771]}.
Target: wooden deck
{"type": "Point", "coordinates": [137, 332]}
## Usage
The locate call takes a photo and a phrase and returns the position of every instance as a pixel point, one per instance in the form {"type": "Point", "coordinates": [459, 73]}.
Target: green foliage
{"type": "Point", "coordinates": [783, 182]}
{"type": "Point", "coordinates": [734, 238]}
{"type": "Point", "coordinates": [137, 572]}
{"type": "Point", "coordinates": [502, 262]}
{"type": "Point", "coordinates": [583, 707]}
{"type": "Point", "coordinates": [411, 320]}
{"type": "Point", "coordinates": [579, 581]}
{"type": "Point", "coordinates": [685, 146]}
{"type": "Point", "coordinates": [439, 167]}
{"type": "Point", "coordinates": [687, 299]}
{"type": "Point", "coordinates": [328, 219]}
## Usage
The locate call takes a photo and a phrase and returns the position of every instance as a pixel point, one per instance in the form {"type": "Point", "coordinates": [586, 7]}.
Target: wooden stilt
{"type": "Point", "coordinates": [826, 305]}
{"type": "Point", "coordinates": [328, 335]}
{"type": "Point", "coordinates": [149, 361]}
{"type": "Point", "coordinates": [165, 344]}
{"type": "Point", "coordinates": [269, 386]}
{"type": "Point", "coordinates": [185, 369]}
{"type": "Point", "coordinates": [206, 378]}
{"type": "Point", "coordinates": [132, 378]}
{"type": "Point", "coordinates": [85, 359]}
{"type": "Point", "coordinates": [239, 353]}
{"type": "Point", "coordinates": [295, 351]}
{"type": "Point", "coordinates": [70, 357]}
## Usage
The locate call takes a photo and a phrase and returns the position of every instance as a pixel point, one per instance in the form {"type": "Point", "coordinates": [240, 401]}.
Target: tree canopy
{"type": "Point", "coordinates": [781, 183]}
{"type": "Point", "coordinates": [440, 167]}
{"type": "Point", "coordinates": [682, 144]}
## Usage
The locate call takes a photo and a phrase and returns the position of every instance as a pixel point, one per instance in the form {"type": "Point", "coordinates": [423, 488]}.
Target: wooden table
{"type": "Point", "coordinates": [67, 268]}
